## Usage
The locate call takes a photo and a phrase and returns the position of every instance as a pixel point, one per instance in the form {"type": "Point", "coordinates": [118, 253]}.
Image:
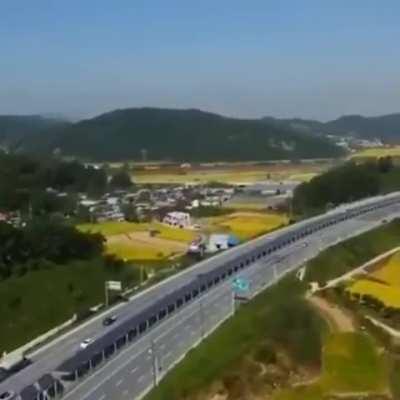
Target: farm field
{"type": "Point", "coordinates": [110, 228]}
{"type": "Point", "coordinates": [393, 151]}
{"type": "Point", "coordinates": [382, 283]}
{"type": "Point", "coordinates": [133, 241]}
{"type": "Point", "coordinates": [351, 364]}
{"type": "Point", "coordinates": [141, 246]}
{"type": "Point", "coordinates": [246, 225]}
{"type": "Point", "coordinates": [229, 174]}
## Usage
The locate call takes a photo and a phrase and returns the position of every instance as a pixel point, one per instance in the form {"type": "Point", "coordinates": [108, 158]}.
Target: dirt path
{"type": "Point", "coordinates": [336, 317]}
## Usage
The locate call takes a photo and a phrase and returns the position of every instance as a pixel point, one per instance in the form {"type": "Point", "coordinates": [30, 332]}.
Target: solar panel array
{"type": "Point", "coordinates": [129, 330]}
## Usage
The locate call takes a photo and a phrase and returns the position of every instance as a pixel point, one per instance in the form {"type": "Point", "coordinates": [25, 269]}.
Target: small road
{"type": "Point", "coordinates": [337, 318]}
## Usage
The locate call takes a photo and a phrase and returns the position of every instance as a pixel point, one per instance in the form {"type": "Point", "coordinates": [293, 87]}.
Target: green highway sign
{"type": "Point", "coordinates": [240, 285]}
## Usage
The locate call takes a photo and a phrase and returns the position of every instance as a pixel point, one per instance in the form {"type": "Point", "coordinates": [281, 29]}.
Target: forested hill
{"type": "Point", "coordinates": [16, 131]}
{"type": "Point", "coordinates": [184, 135]}
{"type": "Point", "coordinates": [384, 127]}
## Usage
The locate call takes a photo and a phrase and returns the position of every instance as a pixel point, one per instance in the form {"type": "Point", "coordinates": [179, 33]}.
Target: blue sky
{"type": "Point", "coordinates": [248, 58]}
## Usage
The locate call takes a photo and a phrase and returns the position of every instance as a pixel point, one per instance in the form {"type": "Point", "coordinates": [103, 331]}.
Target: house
{"type": "Point", "coordinates": [4, 217]}
{"type": "Point", "coordinates": [178, 219]}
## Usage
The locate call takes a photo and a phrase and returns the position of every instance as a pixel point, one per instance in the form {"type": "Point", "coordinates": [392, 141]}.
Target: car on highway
{"type": "Point", "coordinates": [8, 395]}
{"type": "Point", "coordinates": [85, 343]}
{"type": "Point", "coordinates": [110, 320]}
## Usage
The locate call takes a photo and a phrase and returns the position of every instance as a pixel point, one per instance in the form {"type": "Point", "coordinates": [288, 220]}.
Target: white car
{"type": "Point", "coordinates": [86, 343]}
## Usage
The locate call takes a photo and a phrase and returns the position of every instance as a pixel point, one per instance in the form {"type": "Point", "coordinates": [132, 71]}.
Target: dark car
{"type": "Point", "coordinates": [7, 395]}
{"type": "Point", "coordinates": [109, 320]}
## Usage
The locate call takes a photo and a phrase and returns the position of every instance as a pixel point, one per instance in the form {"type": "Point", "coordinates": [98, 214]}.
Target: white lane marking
{"type": "Point", "coordinates": [218, 295]}
{"type": "Point", "coordinates": [134, 370]}
{"type": "Point", "coordinates": [119, 383]}
{"type": "Point", "coordinates": [141, 377]}
{"type": "Point", "coordinates": [167, 354]}
{"type": "Point", "coordinates": [102, 397]}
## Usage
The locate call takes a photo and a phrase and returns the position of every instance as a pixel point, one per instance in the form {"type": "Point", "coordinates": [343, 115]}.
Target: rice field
{"type": "Point", "coordinates": [140, 246]}
{"type": "Point", "coordinates": [351, 364]}
{"type": "Point", "coordinates": [111, 228]}
{"type": "Point", "coordinates": [142, 241]}
{"type": "Point", "coordinates": [156, 242]}
{"type": "Point", "coordinates": [376, 152]}
{"type": "Point", "coordinates": [234, 173]}
{"type": "Point", "coordinates": [390, 271]}
{"type": "Point", "coordinates": [247, 225]}
{"type": "Point", "coordinates": [383, 283]}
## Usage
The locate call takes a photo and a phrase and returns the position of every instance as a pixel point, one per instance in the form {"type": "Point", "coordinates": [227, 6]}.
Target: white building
{"type": "Point", "coordinates": [178, 219]}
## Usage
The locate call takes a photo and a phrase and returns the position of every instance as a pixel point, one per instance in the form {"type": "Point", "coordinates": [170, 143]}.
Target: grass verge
{"type": "Point", "coordinates": [345, 256]}
{"type": "Point", "coordinates": [39, 300]}
{"type": "Point", "coordinates": [278, 314]}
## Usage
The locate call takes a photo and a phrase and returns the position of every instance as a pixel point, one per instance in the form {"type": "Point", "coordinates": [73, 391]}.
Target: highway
{"type": "Point", "coordinates": [139, 365]}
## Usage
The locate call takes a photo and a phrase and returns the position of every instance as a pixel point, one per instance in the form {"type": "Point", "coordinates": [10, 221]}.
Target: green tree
{"type": "Point", "coordinates": [121, 180]}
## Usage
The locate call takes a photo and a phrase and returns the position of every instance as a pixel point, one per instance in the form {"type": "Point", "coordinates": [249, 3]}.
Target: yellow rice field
{"type": "Point", "coordinates": [384, 283]}
{"type": "Point", "coordinates": [376, 152]}
{"type": "Point", "coordinates": [110, 228]}
{"type": "Point", "coordinates": [247, 225]}
{"type": "Point", "coordinates": [132, 241]}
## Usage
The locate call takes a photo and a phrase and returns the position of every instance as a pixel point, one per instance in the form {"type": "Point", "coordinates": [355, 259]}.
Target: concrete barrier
{"type": "Point", "coordinates": [7, 360]}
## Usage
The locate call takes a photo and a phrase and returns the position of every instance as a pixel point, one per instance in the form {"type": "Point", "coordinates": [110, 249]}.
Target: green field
{"type": "Point", "coordinates": [339, 259]}
{"type": "Point", "coordinates": [39, 300]}
{"type": "Point", "coordinates": [351, 364]}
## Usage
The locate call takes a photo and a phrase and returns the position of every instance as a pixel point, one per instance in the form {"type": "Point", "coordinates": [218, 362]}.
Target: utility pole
{"type": "Point", "coordinates": [30, 210]}
{"type": "Point", "coordinates": [202, 320]}
{"type": "Point", "coordinates": [141, 274]}
{"type": "Point", "coordinates": [144, 154]}
{"type": "Point", "coordinates": [155, 362]}
{"type": "Point", "coordinates": [106, 292]}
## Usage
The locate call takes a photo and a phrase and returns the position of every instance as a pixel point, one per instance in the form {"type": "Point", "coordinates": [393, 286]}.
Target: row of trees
{"type": "Point", "coordinates": [344, 184]}
{"type": "Point", "coordinates": [44, 240]}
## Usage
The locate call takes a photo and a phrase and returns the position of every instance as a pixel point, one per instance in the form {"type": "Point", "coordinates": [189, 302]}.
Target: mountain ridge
{"type": "Point", "coordinates": [189, 135]}
{"type": "Point", "coordinates": [385, 127]}
{"type": "Point", "coordinates": [184, 135]}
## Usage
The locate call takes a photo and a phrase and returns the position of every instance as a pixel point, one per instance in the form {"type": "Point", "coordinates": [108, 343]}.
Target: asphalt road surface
{"type": "Point", "coordinates": [135, 370]}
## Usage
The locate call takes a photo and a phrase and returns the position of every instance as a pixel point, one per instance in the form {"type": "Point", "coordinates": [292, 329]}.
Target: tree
{"type": "Point", "coordinates": [346, 183]}
{"type": "Point", "coordinates": [130, 214]}
{"type": "Point", "coordinates": [121, 180]}
{"type": "Point", "coordinates": [385, 164]}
